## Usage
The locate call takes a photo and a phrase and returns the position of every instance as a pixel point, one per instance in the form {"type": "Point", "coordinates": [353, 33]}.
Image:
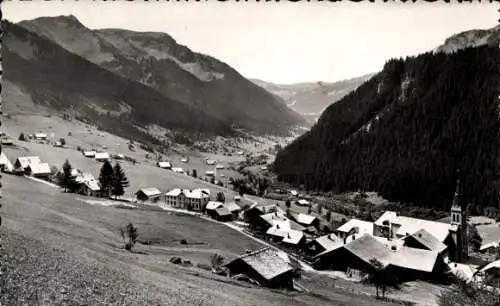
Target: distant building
{"type": "Point", "coordinates": [186, 199]}
{"type": "Point", "coordinates": [184, 160]}
{"type": "Point", "coordinates": [302, 202]}
{"type": "Point", "coordinates": [234, 208]}
{"type": "Point", "coordinates": [39, 170]}
{"type": "Point", "coordinates": [88, 185]}
{"type": "Point", "coordinates": [40, 136]}
{"type": "Point", "coordinates": [90, 154]}
{"type": "Point", "coordinates": [102, 156]}
{"type": "Point", "coordinates": [6, 141]}
{"type": "Point", "coordinates": [264, 266]}
{"type": "Point", "coordinates": [210, 173]}
{"type": "Point", "coordinates": [222, 214]}
{"type": "Point", "coordinates": [306, 220]}
{"type": "Point", "coordinates": [5, 164]}
{"type": "Point", "coordinates": [211, 207]}
{"type": "Point", "coordinates": [355, 226]}
{"type": "Point", "coordinates": [164, 165]}
{"type": "Point", "coordinates": [148, 194]}
{"type": "Point", "coordinates": [219, 167]}
{"type": "Point", "coordinates": [324, 243]}
{"type": "Point", "coordinates": [210, 162]}
{"type": "Point", "coordinates": [178, 170]}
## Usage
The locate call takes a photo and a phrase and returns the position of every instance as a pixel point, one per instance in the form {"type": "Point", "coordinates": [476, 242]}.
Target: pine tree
{"type": "Point", "coordinates": [106, 178]}
{"type": "Point", "coordinates": [120, 181]}
{"type": "Point", "coordinates": [221, 197]}
{"type": "Point", "coordinates": [65, 179]}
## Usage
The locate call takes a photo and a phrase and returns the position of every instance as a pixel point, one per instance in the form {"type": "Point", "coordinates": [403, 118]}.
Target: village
{"type": "Point", "coordinates": [299, 238]}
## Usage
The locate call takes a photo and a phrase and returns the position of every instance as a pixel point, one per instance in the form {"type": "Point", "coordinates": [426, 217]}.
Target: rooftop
{"type": "Point", "coordinates": [329, 242]}
{"type": "Point", "coordinates": [305, 219]}
{"type": "Point", "coordinates": [39, 168]}
{"type": "Point", "coordinates": [213, 205]}
{"type": "Point", "coordinates": [222, 211]}
{"type": "Point", "coordinates": [428, 240]}
{"type": "Point", "coordinates": [362, 227]}
{"type": "Point", "coordinates": [150, 191]}
{"type": "Point", "coordinates": [267, 262]}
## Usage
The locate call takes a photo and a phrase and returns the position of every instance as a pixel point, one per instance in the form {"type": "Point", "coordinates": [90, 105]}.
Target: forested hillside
{"type": "Point", "coordinates": [407, 131]}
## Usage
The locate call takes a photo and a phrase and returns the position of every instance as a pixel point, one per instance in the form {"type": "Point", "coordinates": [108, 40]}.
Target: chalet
{"type": "Point", "coordinates": [210, 162]}
{"type": "Point", "coordinates": [102, 156]}
{"type": "Point", "coordinates": [324, 243]}
{"type": "Point", "coordinates": [40, 136]}
{"type": "Point", "coordinates": [39, 170]}
{"type": "Point", "coordinates": [164, 165]}
{"type": "Point", "coordinates": [210, 173]}
{"type": "Point", "coordinates": [281, 232]}
{"type": "Point", "coordinates": [355, 226]}
{"type": "Point", "coordinates": [234, 208]}
{"type": "Point", "coordinates": [253, 213]}
{"type": "Point", "coordinates": [88, 185]}
{"type": "Point", "coordinates": [265, 266]}
{"type": "Point", "coordinates": [302, 202]}
{"type": "Point", "coordinates": [5, 141]}
{"type": "Point", "coordinates": [219, 167]}
{"type": "Point", "coordinates": [211, 207]}
{"type": "Point", "coordinates": [148, 194]}
{"type": "Point", "coordinates": [22, 163]}
{"type": "Point", "coordinates": [306, 220]}
{"type": "Point", "coordinates": [178, 170]}
{"type": "Point", "coordinates": [404, 263]}
{"type": "Point", "coordinates": [5, 164]}
{"type": "Point", "coordinates": [186, 199]}
{"type": "Point", "coordinates": [90, 154]}
{"type": "Point", "coordinates": [422, 239]}
{"type": "Point", "coordinates": [223, 214]}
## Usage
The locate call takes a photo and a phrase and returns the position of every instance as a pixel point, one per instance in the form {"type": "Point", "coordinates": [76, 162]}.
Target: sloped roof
{"type": "Point", "coordinates": [276, 231]}
{"type": "Point", "coordinates": [25, 161]}
{"type": "Point", "coordinates": [366, 247]}
{"type": "Point", "coordinates": [199, 194]}
{"type": "Point", "coordinates": [492, 265]}
{"type": "Point", "coordinates": [178, 169]}
{"type": "Point", "coordinates": [428, 240]}
{"type": "Point", "coordinates": [267, 263]}
{"type": "Point", "coordinates": [232, 207]}
{"type": "Point", "coordinates": [305, 219]}
{"type": "Point", "coordinates": [303, 202]}
{"type": "Point", "coordinates": [210, 162]}
{"type": "Point", "coordinates": [89, 153]}
{"type": "Point", "coordinates": [410, 225]}
{"type": "Point", "coordinates": [174, 192]}
{"type": "Point", "coordinates": [39, 168]}
{"type": "Point", "coordinates": [40, 135]}
{"type": "Point", "coordinates": [329, 242]}
{"type": "Point", "coordinates": [213, 205]}
{"type": "Point", "coordinates": [150, 191]}
{"type": "Point", "coordinates": [92, 185]}
{"type": "Point", "coordinates": [364, 227]}
{"type": "Point", "coordinates": [222, 211]}
{"type": "Point", "coordinates": [489, 233]}
{"type": "Point", "coordinates": [83, 177]}
{"type": "Point", "coordinates": [414, 259]}
{"type": "Point", "coordinates": [5, 161]}
{"type": "Point", "coordinates": [293, 236]}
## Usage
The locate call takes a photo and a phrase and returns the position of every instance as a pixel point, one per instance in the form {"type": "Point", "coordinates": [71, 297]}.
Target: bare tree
{"type": "Point", "coordinates": [129, 235]}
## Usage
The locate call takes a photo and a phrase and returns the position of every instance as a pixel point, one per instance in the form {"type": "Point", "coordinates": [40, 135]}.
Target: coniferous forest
{"type": "Point", "coordinates": [406, 132]}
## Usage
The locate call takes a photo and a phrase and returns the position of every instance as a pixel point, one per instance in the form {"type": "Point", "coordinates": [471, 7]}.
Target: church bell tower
{"type": "Point", "coordinates": [459, 225]}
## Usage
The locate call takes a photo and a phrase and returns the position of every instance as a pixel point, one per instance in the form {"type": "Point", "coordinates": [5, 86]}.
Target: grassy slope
{"type": "Point", "coordinates": [60, 249]}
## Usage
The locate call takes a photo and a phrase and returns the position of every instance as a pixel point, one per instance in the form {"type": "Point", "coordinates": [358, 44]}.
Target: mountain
{"type": "Point", "coordinates": [55, 78]}
{"type": "Point", "coordinates": [311, 99]}
{"type": "Point", "coordinates": [406, 131]}
{"type": "Point", "coordinates": [159, 62]}
{"type": "Point", "coordinates": [472, 38]}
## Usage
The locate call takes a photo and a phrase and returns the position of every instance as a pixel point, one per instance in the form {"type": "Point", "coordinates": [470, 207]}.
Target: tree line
{"type": "Point", "coordinates": [406, 132]}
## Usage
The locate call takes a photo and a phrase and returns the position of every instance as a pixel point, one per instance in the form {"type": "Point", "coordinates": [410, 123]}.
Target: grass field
{"type": "Point", "coordinates": [61, 250]}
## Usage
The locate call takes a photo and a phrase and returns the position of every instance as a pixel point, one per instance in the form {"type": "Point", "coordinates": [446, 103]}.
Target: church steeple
{"type": "Point", "coordinates": [459, 223]}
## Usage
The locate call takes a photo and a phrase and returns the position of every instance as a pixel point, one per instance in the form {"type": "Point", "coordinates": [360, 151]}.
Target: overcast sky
{"type": "Point", "coordinates": [282, 42]}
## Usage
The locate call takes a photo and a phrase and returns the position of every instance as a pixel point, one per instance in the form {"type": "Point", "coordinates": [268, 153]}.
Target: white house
{"type": "Point", "coordinates": [164, 165]}
{"type": "Point", "coordinates": [40, 170]}
{"type": "Point", "coordinates": [89, 153]}
{"type": "Point", "coordinates": [102, 156]}
{"type": "Point", "coordinates": [23, 162]}
{"type": "Point", "coordinates": [187, 199]}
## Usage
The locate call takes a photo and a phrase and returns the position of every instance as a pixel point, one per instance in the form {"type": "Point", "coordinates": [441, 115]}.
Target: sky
{"type": "Point", "coordinates": [284, 42]}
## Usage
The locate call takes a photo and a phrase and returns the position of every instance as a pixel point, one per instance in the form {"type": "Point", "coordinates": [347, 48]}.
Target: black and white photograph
{"type": "Point", "coordinates": [250, 153]}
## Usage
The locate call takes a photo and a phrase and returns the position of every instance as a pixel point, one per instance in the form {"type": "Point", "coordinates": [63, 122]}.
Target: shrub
{"type": "Point", "coordinates": [129, 235]}
{"type": "Point", "coordinates": [22, 137]}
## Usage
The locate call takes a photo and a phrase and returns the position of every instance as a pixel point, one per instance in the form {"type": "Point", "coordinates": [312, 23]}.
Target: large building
{"type": "Point", "coordinates": [196, 199]}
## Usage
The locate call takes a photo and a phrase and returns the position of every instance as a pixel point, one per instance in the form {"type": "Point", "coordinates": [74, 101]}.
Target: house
{"type": "Point", "coordinates": [237, 198]}
{"type": "Point", "coordinates": [119, 156]}
{"type": "Point", "coordinates": [490, 235]}
{"type": "Point", "coordinates": [40, 136]}
{"type": "Point", "coordinates": [265, 266]}
{"type": "Point", "coordinates": [324, 243]}
{"type": "Point", "coordinates": [211, 207]}
{"type": "Point", "coordinates": [277, 218]}
{"type": "Point", "coordinates": [148, 194]}
{"type": "Point", "coordinates": [210, 162]}
{"type": "Point", "coordinates": [422, 239]}
{"type": "Point", "coordinates": [306, 220]}
{"type": "Point", "coordinates": [186, 199]}
{"type": "Point", "coordinates": [240, 153]}
{"type": "Point", "coordinates": [294, 193]}
{"type": "Point", "coordinates": [22, 163]}
{"type": "Point", "coordinates": [90, 154]}
{"type": "Point", "coordinates": [184, 160]}
{"type": "Point", "coordinates": [234, 208]}
{"type": "Point", "coordinates": [404, 263]}
{"type": "Point", "coordinates": [6, 141]}
{"type": "Point", "coordinates": [5, 164]}
{"type": "Point", "coordinates": [58, 144]}
{"type": "Point", "coordinates": [490, 273]}
{"type": "Point", "coordinates": [263, 168]}
{"type": "Point", "coordinates": [284, 234]}
{"type": "Point", "coordinates": [39, 170]}
{"type": "Point", "coordinates": [164, 165]}
{"type": "Point", "coordinates": [178, 170]}
{"type": "Point", "coordinates": [88, 185]}
{"type": "Point", "coordinates": [219, 167]}
{"type": "Point", "coordinates": [355, 226]}
{"type": "Point", "coordinates": [222, 214]}
{"type": "Point", "coordinates": [302, 202]}
{"type": "Point", "coordinates": [102, 156]}
{"type": "Point", "coordinates": [209, 173]}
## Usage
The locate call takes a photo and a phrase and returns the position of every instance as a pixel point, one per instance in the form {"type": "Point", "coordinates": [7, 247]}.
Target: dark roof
{"type": "Point", "coordinates": [266, 262]}
{"type": "Point", "coordinates": [222, 211]}
{"type": "Point", "coordinates": [429, 241]}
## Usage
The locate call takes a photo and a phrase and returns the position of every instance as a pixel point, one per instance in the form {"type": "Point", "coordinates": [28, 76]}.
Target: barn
{"type": "Point", "coordinates": [148, 195]}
